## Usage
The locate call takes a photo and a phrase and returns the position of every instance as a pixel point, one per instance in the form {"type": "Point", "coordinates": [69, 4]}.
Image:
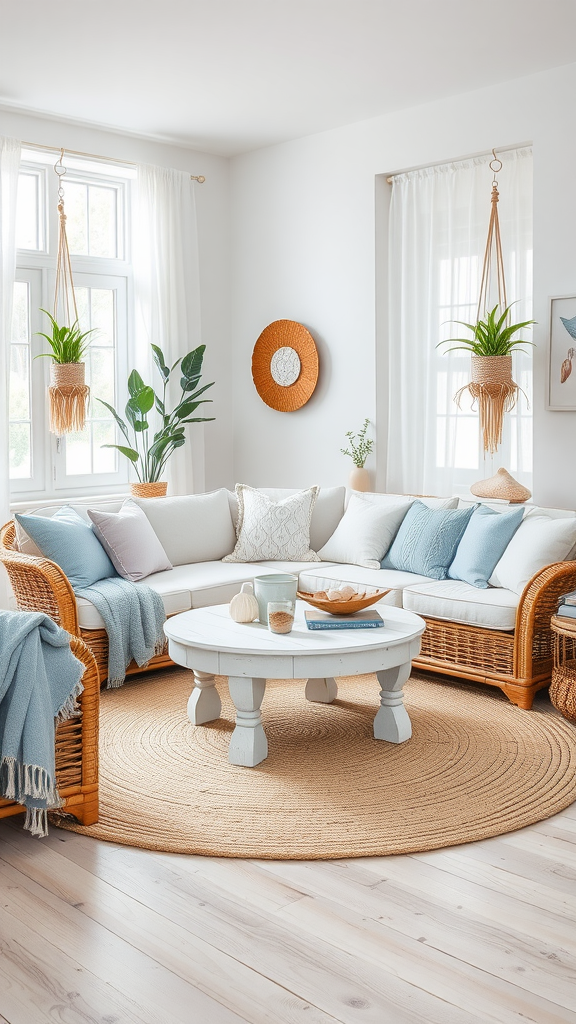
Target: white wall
{"type": "Point", "coordinates": [304, 248]}
{"type": "Point", "coordinates": [212, 203]}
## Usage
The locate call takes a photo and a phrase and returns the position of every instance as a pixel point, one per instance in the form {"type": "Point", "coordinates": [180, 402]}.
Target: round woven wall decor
{"type": "Point", "coordinates": [285, 365]}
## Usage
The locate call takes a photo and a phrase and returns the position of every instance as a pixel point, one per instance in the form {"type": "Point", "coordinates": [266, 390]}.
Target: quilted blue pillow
{"type": "Point", "coordinates": [427, 540]}
{"type": "Point", "coordinates": [70, 542]}
{"type": "Point", "coordinates": [483, 543]}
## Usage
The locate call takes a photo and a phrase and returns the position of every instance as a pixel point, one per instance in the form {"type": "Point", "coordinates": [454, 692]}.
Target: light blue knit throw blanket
{"type": "Point", "coordinates": [40, 681]}
{"type": "Point", "coordinates": [133, 616]}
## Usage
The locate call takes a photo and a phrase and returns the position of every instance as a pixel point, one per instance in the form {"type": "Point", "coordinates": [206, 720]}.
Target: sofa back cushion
{"type": "Point", "coordinates": [393, 499]}
{"type": "Point", "coordinates": [538, 541]}
{"type": "Point", "coordinates": [192, 527]}
{"type": "Point", "coordinates": [365, 532]}
{"type": "Point", "coordinates": [427, 540]}
{"type": "Point", "coordinates": [483, 543]}
{"type": "Point", "coordinates": [326, 514]}
{"type": "Point", "coordinates": [66, 539]}
{"type": "Point", "coordinates": [129, 540]}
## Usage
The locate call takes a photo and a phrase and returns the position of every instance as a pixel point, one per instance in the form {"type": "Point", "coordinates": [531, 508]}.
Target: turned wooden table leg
{"type": "Point", "coordinates": [322, 691]}
{"type": "Point", "coordinates": [204, 701]}
{"type": "Point", "coordinates": [392, 722]}
{"type": "Point", "coordinates": [248, 744]}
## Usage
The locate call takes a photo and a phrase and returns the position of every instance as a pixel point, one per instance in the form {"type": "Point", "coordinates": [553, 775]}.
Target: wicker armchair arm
{"type": "Point", "coordinates": [38, 584]}
{"type": "Point", "coordinates": [537, 605]}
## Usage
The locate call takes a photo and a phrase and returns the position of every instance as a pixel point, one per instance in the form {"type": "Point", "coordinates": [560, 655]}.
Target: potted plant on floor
{"type": "Point", "coordinates": [491, 385]}
{"type": "Point", "coordinates": [68, 392]}
{"type": "Point", "coordinates": [150, 457]}
{"type": "Point", "coordinates": [359, 448]}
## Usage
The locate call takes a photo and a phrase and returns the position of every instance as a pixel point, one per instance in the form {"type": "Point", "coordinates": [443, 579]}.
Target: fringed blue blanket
{"type": "Point", "coordinates": [133, 616]}
{"type": "Point", "coordinates": [40, 681]}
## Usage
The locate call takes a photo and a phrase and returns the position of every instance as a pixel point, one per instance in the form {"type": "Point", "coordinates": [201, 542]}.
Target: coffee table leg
{"type": "Point", "coordinates": [392, 722]}
{"type": "Point", "coordinates": [322, 691]}
{"type": "Point", "coordinates": [248, 744]}
{"type": "Point", "coordinates": [204, 701]}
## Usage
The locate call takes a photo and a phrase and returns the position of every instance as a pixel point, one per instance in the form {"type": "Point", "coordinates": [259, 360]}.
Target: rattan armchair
{"type": "Point", "coordinates": [76, 749]}
{"type": "Point", "coordinates": [40, 585]}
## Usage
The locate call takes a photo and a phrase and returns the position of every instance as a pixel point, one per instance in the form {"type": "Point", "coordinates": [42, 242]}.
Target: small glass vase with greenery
{"type": "Point", "coordinates": [150, 456]}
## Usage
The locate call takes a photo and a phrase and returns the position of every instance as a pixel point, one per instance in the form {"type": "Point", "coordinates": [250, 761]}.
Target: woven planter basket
{"type": "Point", "coordinates": [492, 387]}
{"type": "Point", "coordinates": [563, 689]}
{"type": "Point", "coordinates": [155, 490]}
{"type": "Point", "coordinates": [68, 396]}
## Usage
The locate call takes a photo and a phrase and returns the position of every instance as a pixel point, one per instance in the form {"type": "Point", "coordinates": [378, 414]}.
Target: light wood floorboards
{"type": "Point", "coordinates": [93, 933]}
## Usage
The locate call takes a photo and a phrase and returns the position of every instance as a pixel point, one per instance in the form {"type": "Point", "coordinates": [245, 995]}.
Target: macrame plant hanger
{"type": "Point", "coordinates": [491, 385]}
{"type": "Point", "coordinates": [67, 392]}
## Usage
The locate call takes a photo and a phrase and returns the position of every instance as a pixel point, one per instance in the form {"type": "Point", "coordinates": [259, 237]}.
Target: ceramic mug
{"type": "Point", "coordinates": [281, 586]}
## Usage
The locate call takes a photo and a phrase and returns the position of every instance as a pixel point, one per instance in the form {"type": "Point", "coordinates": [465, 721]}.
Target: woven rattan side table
{"type": "Point", "coordinates": [563, 685]}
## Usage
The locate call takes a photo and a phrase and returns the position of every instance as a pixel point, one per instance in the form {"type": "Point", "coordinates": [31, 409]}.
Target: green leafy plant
{"type": "Point", "coordinates": [68, 344]}
{"type": "Point", "coordinates": [148, 458]}
{"type": "Point", "coordinates": [359, 446]}
{"type": "Point", "coordinates": [491, 336]}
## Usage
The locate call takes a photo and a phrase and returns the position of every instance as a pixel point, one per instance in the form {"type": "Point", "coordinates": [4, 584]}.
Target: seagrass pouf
{"type": "Point", "coordinates": [563, 685]}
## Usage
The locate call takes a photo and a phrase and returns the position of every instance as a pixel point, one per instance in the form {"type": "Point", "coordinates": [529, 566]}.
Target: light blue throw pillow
{"type": "Point", "coordinates": [483, 543]}
{"type": "Point", "coordinates": [66, 539]}
{"type": "Point", "coordinates": [427, 540]}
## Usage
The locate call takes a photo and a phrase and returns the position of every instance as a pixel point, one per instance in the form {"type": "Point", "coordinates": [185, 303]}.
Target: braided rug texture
{"type": "Point", "coordinates": [476, 766]}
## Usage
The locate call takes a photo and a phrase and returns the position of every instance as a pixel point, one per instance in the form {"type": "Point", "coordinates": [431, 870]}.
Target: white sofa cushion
{"type": "Point", "coordinates": [130, 541]}
{"type": "Point", "coordinates": [538, 541]}
{"type": "Point", "coordinates": [273, 529]}
{"type": "Point", "coordinates": [326, 576]}
{"type": "Point", "coordinates": [326, 514]}
{"type": "Point", "coordinates": [456, 601]}
{"type": "Point", "coordinates": [365, 532]}
{"type": "Point", "coordinates": [192, 527]}
{"type": "Point", "coordinates": [393, 499]}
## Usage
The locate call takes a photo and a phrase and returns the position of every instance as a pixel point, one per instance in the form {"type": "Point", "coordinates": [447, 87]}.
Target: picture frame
{"type": "Point", "coordinates": [562, 354]}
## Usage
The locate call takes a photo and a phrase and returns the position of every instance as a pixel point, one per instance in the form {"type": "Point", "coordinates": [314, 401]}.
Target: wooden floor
{"type": "Point", "coordinates": [93, 933]}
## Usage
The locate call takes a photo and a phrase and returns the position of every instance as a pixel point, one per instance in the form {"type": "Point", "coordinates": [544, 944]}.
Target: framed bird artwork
{"type": "Point", "coordinates": [562, 354]}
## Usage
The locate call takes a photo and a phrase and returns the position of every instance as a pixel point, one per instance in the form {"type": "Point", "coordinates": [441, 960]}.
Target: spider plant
{"type": "Point", "coordinates": [149, 458]}
{"type": "Point", "coordinates": [491, 336]}
{"type": "Point", "coordinates": [68, 344]}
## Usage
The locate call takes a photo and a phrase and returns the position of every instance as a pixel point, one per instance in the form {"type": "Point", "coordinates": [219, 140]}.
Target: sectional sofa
{"type": "Point", "coordinates": [495, 635]}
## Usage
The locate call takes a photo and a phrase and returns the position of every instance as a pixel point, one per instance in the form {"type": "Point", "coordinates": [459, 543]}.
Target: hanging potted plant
{"type": "Point", "coordinates": [68, 392]}
{"type": "Point", "coordinates": [359, 448]}
{"type": "Point", "coordinates": [150, 456]}
{"type": "Point", "coordinates": [491, 383]}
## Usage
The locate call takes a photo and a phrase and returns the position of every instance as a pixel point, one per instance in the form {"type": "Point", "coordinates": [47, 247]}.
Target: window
{"type": "Point", "coordinates": [437, 234]}
{"type": "Point", "coordinates": [97, 201]}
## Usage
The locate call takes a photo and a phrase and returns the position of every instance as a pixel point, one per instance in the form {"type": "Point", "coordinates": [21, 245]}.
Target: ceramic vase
{"type": "Point", "coordinates": [359, 479]}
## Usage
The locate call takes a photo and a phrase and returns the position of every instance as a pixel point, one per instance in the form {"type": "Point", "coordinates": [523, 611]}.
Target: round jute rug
{"type": "Point", "coordinates": [476, 766]}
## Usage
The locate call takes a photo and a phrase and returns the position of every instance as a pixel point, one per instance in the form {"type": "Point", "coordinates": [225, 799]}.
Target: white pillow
{"type": "Point", "coordinates": [326, 514]}
{"type": "Point", "coordinates": [129, 541]}
{"type": "Point", "coordinates": [365, 532]}
{"type": "Point", "coordinates": [275, 530]}
{"type": "Point", "coordinates": [538, 541]}
{"type": "Point", "coordinates": [192, 527]}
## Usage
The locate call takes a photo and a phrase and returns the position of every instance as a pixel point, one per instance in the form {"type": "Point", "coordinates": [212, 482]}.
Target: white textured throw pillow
{"type": "Point", "coordinates": [274, 530]}
{"type": "Point", "coordinates": [365, 532]}
{"type": "Point", "coordinates": [129, 541]}
{"type": "Point", "coordinates": [538, 541]}
{"type": "Point", "coordinates": [192, 527]}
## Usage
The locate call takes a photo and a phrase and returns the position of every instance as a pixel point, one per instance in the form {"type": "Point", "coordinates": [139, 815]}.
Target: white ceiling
{"type": "Point", "coordinates": [232, 75]}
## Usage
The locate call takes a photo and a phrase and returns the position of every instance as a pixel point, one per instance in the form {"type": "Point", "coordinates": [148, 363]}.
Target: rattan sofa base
{"type": "Point", "coordinates": [76, 747]}
{"type": "Point", "coordinates": [519, 662]}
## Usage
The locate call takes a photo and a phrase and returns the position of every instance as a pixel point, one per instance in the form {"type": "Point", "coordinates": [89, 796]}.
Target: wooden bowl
{"type": "Point", "coordinates": [355, 604]}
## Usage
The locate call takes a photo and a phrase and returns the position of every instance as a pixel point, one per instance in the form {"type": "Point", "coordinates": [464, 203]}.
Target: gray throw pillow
{"type": "Point", "coordinates": [130, 541]}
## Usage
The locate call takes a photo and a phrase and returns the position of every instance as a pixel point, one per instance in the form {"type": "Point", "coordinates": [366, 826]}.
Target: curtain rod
{"type": "Point", "coordinates": [456, 160]}
{"type": "Point", "coordinates": [93, 156]}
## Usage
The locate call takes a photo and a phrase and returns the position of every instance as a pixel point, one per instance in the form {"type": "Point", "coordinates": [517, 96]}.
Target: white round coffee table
{"type": "Point", "coordinates": [210, 643]}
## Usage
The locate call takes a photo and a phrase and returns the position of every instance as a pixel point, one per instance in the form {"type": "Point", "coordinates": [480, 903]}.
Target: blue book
{"type": "Point", "coordinates": [567, 610]}
{"type": "Point", "coordinates": [358, 620]}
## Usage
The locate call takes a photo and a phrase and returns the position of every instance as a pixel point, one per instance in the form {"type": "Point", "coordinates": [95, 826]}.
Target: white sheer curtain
{"type": "Point", "coordinates": [437, 234]}
{"type": "Point", "coordinates": [167, 292]}
{"type": "Point", "coordinates": [9, 167]}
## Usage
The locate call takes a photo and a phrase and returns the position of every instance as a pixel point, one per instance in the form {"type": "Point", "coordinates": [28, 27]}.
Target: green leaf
{"type": "Point", "coordinates": [160, 362]}
{"type": "Point", "coordinates": [143, 400]}
{"type": "Point", "coordinates": [128, 452]}
{"type": "Point", "coordinates": [191, 365]}
{"type": "Point", "coordinates": [135, 383]}
{"type": "Point", "coordinates": [160, 407]}
{"type": "Point", "coordinates": [200, 419]}
{"type": "Point", "coordinates": [140, 426]}
{"type": "Point", "coordinates": [119, 421]}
